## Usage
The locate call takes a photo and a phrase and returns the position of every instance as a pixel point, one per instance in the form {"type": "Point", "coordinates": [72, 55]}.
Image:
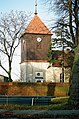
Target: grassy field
{"type": "Point", "coordinates": [59, 103]}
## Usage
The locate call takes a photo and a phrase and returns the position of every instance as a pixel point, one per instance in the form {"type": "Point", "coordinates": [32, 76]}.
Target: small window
{"type": "Point", "coordinates": [39, 45]}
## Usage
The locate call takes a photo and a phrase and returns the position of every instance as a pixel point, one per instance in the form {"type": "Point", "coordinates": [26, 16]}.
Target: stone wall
{"type": "Point", "coordinates": [34, 89]}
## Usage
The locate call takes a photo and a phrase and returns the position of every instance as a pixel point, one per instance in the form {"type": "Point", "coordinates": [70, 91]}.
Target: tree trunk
{"type": "Point", "coordinates": [9, 72]}
{"type": "Point", "coordinates": [10, 79]}
{"type": "Point", "coordinates": [70, 21]}
{"type": "Point", "coordinates": [74, 89]}
{"type": "Point", "coordinates": [76, 21]}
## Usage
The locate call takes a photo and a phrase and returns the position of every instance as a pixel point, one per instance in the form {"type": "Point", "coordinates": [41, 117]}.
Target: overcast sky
{"type": "Point", "coordinates": [28, 6]}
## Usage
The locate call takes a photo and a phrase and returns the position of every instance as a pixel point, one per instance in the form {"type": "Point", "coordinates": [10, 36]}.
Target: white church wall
{"type": "Point", "coordinates": [29, 70]}
{"type": "Point", "coordinates": [23, 72]}
{"type": "Point", "coordinates": [52, 74]}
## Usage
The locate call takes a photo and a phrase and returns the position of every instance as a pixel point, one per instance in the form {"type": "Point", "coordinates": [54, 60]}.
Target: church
{"type": "Point", "coordinates": [35, 45]}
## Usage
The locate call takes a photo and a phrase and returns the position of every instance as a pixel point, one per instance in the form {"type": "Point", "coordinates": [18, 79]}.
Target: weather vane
{"type": "Point", "coordinates": [35, 7]}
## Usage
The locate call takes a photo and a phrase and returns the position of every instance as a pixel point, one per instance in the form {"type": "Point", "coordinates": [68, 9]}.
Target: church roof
{"type": "Point", "coordinates": [37, 26]}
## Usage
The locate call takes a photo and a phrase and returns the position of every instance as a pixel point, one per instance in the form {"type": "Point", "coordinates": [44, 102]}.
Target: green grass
{"type": "Point", "coordinates": [59, 103]}
{"type": "Point", "coordinates": [60, 100]}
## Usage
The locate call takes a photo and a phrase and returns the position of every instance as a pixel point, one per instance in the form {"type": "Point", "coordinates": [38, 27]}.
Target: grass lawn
{"type": "Point", "coordinates": [59, 103]}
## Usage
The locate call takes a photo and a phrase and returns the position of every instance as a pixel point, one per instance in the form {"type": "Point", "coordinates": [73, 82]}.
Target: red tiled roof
{"type": "Point", "coordinates": [37, 26]}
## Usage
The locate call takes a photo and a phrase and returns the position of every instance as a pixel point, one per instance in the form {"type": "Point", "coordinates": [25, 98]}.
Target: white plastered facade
{"type": "Point", "coordinates": [52, 74]}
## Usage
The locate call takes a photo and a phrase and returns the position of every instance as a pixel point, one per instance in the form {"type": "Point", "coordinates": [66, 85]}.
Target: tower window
{"type": "Point", "coordinates": [38, 45]}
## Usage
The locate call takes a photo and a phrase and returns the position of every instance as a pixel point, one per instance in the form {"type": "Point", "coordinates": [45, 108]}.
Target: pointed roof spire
{"type": "Point", "coordinates": [35, 7]}
{"type": "Point", "coordinates": [37, 26]}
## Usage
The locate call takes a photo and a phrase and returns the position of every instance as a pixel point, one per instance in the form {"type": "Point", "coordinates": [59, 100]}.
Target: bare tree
{"type": "Point", "coordinates": [11, 29]}
{"type": "Point", "coordinates": [68, 11]}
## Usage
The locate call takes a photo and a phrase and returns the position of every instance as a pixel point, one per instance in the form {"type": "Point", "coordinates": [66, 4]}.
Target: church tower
{"type": "Point", "coordinates": [35, 44]}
